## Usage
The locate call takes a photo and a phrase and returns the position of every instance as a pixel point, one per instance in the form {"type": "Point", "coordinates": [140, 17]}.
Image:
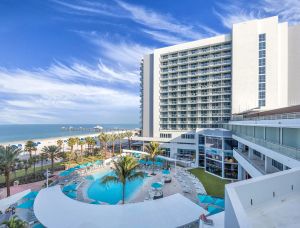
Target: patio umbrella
{"type": "Point", "coordinates": [26, 205]}
{"type": "Point", "coordinates": [143, 162]}
{"type": "Point", "coordinates": [156, 185]}
{"type": "Point", "coordinates": [158, 163]}
{"type": "Point", "coordinates": [220, 203]}
{"type": "Point", "coordinates": [205, 199]}
{"type": "Point", "coordinates": [30, 195]}
{"type": "Point", "coordinates": [71, 187]}
{"type": "Point", "coordinates": [72, 195]}
{"type": "Point", "coordinates": [166, 172]}
{"type": "Point", "coordinates": [149, 163]}
{"type": "Point", "coordinates": [214, 210]}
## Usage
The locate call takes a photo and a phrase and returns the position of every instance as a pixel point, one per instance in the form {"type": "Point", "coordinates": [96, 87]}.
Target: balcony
{"type": "Point", "coordinates": [256, 162]}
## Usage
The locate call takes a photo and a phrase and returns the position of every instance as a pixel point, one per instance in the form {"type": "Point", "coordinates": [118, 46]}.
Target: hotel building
{"type": "Point", "coordinates": [190, 91]}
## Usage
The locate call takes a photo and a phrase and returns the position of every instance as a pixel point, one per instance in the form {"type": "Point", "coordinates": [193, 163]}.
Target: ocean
{"type": "Point", "coordinates": [22, 132]}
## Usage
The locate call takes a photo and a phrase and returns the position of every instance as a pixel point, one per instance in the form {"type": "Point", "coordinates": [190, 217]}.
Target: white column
{"type": "Point", "coordinates": [240, 172]}
{"type": "Point", "coordinates": [250, 153]}
{"type": "Point", "coordinates": [268, 164]}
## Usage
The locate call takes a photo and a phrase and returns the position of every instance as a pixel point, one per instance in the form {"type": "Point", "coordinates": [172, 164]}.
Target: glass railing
{"type": "Point", "coordinates": [284, 150]}
{"type": "Point", "coordinates": [293, 115]}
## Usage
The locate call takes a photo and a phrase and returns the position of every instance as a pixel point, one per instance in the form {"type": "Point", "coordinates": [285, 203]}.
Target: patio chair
{"type": "Point", "coordinates": [206, 221]}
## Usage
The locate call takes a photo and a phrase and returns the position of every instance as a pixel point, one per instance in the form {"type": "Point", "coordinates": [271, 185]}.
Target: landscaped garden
{"type": "Point", "coordinates": [214, 186]}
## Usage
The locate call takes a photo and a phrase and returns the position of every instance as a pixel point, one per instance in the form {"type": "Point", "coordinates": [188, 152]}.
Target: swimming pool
{"type": "Point", "coordinates": [111, 193]}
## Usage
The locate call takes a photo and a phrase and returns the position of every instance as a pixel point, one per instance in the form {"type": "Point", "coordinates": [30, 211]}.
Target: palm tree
{"type": "Point", "coordinates": [8, 157]}
{"type": "Point", "coordinates": [77, 140]}
{"type": "Point", "coordinates": [113, 138]}
{"type": "Point", "coordinates": [153, 150]}
{"type": "Point", "coordinates": [29, 147]}
{"type": "Point", "coordinates": [26, 166]}
{"type": "Point", "coordinates": [124, 170]}
{"type": "Point", "coordinates": [60, 143]}
{"type": "Point", "coordinates": [81, 143]}
{"type": "Point", "coordinates": [15, 222]}
{"type": "Point", "coordinates": [91, 142]}
{"type": "Point", "coordinates": [43, 157]}
{"type": "Point", "coordinates": [53, 152]}
{"type": "Point", "coordinates": [33, 160]}
{"type": "Point", "coordinates": [71, 143]}
{"type": "Point", "coordinates": [120, 137]}
{"type": "Point", "coordinates": [104, 138]}
{"type": "Point", "coordinates": [129, 134]}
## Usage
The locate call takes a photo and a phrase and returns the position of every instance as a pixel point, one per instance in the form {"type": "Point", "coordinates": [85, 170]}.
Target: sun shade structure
{"type": "Point", "coordinates": [26, 205]}
{"type": "Point", "coordinates": [71, 187]}
{"type": "Point", "coordinates": [30, 195]}
{"type": "Point", "coordinates": [55, 210]}
{"type": "Point", "coordinates": [220, 203]}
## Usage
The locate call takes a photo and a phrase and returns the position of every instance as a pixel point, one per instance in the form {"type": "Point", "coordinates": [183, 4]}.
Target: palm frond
{"type": "Point", "coordinates": [107, 179]}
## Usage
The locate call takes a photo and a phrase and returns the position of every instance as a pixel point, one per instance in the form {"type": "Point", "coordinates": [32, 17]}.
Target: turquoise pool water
{"type": "Point", "coordinates": [111, 193]}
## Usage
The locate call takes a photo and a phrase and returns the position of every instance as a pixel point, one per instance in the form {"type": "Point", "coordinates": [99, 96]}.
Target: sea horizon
{"type": "Point", "coordinates": [24, 132]}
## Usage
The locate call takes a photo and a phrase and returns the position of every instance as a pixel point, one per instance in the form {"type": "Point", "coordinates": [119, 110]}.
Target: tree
{"type": "Point", "coordinates": [124, 170]}
{"type": "Point", "coordinates": [71, 143]}
{"type": "Point", "coordinates": [77, 140]}
{"type": "Point", "coordinates": [60, 143]}
{"type": "Point", "coordinates": [120, 137]}
{"type": "Point", "coordinates": [26, 166]}
{"type": "Point", "coordinates": [81, 143]}
{"type": "Point", "coordinates": [8, 158]}
{"type": "Point", "coordinates": [29, 147]}
{"type": "Point", "coordinates": [15, 222]}
{"type": "Point", "coordinates": [53, 152]}
{"type": "Point", "coordinates": [42, 157]}
{"type": "Point", "coordinates": [129, 134]}
{"type": "Point", "coordinates": [113, 138]}
{"type": "Point", "coordinates": [153, 150]}
{"type": "Point", "coordinates": [91, 142]}
{"type": "Point", "coordinates": [104, 138]}
{"type": "Point", "coordinates": [33, 160]}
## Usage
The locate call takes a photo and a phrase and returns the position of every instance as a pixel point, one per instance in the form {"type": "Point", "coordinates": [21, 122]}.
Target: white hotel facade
{"type": "Point", "coordinates": [190, 91]}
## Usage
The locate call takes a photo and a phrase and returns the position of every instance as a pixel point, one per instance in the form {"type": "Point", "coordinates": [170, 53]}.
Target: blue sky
{"type": "Point", "coordinates": [77, 61]}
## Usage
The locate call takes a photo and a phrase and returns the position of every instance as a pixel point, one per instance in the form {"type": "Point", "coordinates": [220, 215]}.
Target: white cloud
{"type": "Point", "coordinates": [234, 11]}
{"type": "Point", "coordinates": [164, 37]}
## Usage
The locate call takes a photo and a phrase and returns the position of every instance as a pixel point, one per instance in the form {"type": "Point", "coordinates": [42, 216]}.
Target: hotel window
{"type": "Point", "coordinates": [262, 70]}
{"type": "Point", "coordinates": [277, 164]}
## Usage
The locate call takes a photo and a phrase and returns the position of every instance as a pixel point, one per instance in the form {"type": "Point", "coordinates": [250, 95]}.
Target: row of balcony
{"type": "Point", "coordinates": [196, 52]}
{"type": "Point", "coordinates": [194, 64]}
{"type": "Point", "coordinates": [215, 77]}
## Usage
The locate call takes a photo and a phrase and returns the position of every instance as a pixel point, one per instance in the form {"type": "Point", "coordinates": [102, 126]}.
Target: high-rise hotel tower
{"type": "Point", "coordinates": [190, 90]}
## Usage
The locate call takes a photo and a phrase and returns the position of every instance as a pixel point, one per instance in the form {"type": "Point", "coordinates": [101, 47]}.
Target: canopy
{"type": "Point", "coordinates": [158, 163]}
{"type": "Point", "coordinates": [61, 211]}
{"type": "Point", "coordinates": [30, 195]}
{"type": "Point", "coordinates": [205, 199]}
{"type": "Point", "coordinates": [26, 205]}
{"type": "Point", "coordinates": [64, 173]}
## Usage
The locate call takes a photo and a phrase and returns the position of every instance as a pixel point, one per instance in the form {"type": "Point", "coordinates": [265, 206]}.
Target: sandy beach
{"type": "Point", "coordinates": [53, 141]}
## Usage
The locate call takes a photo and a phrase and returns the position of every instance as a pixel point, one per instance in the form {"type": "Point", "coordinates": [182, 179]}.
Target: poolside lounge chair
{"type": "Point", "coordinates": [205, 220]}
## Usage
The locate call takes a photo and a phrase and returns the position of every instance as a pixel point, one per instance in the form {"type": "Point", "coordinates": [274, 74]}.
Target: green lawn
{"type": "Point", "coordinates": [214, 186]}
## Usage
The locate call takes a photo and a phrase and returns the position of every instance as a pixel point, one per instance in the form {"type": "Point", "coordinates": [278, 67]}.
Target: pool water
{"type": "Point", "coordinates": [112, 192]}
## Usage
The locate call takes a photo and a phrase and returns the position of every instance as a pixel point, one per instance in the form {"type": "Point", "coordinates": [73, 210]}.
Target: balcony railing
{"type": "Point", "coordinates": [284, 150]}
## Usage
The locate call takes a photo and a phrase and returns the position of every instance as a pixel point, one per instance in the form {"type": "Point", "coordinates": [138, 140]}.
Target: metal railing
{"type": "Point", "coordinates": [292, 115]}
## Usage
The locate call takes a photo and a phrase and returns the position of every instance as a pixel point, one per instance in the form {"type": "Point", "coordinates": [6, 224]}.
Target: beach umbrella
{"type": "Point", "coordinates": [142, 161]}
{"type": "Point", "coordinates": [158, 163]}
{"type": "Point", "coordinates": [30, 195]}
{"type": "Point", "coordinates": [206, 199]}
{"type": "Point", "coordinates": [156, 185]}
{"type": "Point", "coordinates": [214, 210]}
{"type": "Point", "coordinates": [149, 163]}
{"type": "Point", "coordinates": [72, 195]}
{"type": "Point", "coordinates": [26, 205]}
{"type": "Point", "coordinates": [220, 203]}
{"type": "Point", "coordinates": [64, 173]}
{"type": "Point", "coordinates": [166, 172]}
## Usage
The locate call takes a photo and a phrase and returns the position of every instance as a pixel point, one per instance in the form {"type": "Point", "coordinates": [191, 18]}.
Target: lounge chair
{"type": "Point", "coordinates": [205, 220]}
